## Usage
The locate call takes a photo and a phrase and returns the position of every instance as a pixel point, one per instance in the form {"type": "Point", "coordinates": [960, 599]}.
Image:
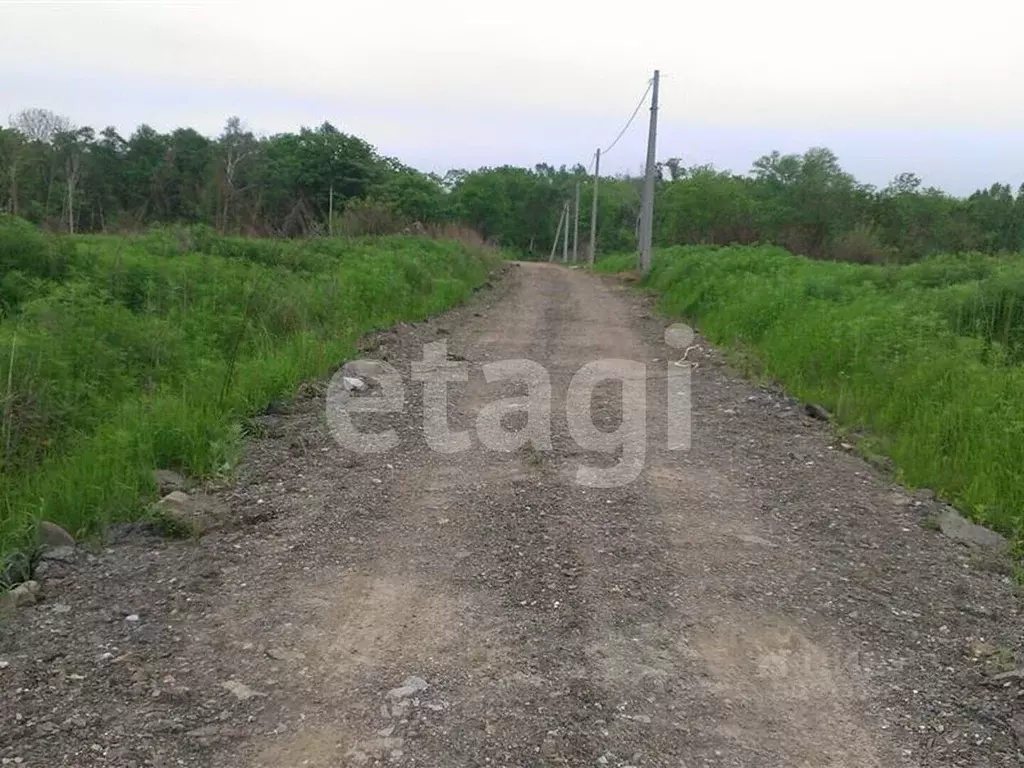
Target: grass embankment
{"type": "Point", "coordinates": [924, 360]}
{"type": "Point", "coordinates": [120, 355]}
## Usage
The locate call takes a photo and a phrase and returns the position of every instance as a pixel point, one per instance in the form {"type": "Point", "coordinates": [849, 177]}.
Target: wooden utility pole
{"type": "Point", "coordinates": [647, 201]}
{"type": "Point", "coordinates": [565, 234]}
{"type": "Point", "coordinates": [554, 245]}
{"type": "Point", "coordinates": [593, 209]}
{"type": "Point", "coordinates": [576, 227]}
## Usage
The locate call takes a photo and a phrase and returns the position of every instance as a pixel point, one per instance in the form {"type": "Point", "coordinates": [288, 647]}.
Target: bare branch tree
{"type": "Point", "coordinates": [11, 149]}
{"type": "Point", "coordinates": [238, 145]}
{"type": "Point", "coordinates": [40, 124]}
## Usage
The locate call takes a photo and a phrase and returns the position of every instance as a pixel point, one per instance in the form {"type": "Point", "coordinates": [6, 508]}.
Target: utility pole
{"type": "Point", "coordinates": [593, 209]}
{"type": "Point", "coordinates": [647, 201]}
{"type": "Point", "coordinates": [576, 227]}
{"type": "Point", "coordinates": [554, 245]}
{"type": "Point", "coordinates": [565, 234]}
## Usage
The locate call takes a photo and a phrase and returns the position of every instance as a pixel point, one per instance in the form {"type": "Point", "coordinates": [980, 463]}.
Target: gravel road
{"type": "Point", "coordinates": [764, 598]}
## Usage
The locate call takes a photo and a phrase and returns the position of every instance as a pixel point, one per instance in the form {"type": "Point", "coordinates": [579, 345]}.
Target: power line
{"type": "Point", "coordinates": [630, 121]}
{"type": "Point", "coordinates": [590, 166]}
{"type": "Point", "coordinates": [595, 164]}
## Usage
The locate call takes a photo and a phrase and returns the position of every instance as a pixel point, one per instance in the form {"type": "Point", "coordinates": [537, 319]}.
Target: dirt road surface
{"type": "Point", "coordinates": [764, 598]}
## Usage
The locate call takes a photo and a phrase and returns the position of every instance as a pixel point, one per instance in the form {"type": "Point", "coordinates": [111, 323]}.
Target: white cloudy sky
{"type": "Point", "coordinates": [890, 85]}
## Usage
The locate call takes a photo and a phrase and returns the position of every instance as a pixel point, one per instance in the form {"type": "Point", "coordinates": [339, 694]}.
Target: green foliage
{"type": "Point", "coordinates": [618, 262]}
{"type": "Point", "coordinates": [860, 245]}
{"type": "Point", "coordinates": [290, 184]}
{"type": "Point", "coordinates": [520, 207]}
{"type": "Point", "coordinates": [24, 248]}
{"type": "Point", "coordinates": [151, 350]}
{"type": "Point", "coordinates": [77, 180]}
{"type": "Point", "coordinates": [370, 217]}
{"type": "Point", "coordinates": [412, 195]}
{"type": "Point", "coordinates": [993, 310]}
{"type": "Point", "coordinates": [922, 357]}
{"type": "Point", "coordinates": [809, 205]}
{"type": "Point", "coordinates": [703, 205]}
{"type": "Point", "coordinates": [806, 203]}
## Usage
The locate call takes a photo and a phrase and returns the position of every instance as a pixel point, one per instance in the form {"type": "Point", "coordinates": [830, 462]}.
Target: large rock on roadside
{"type": "Point", "coordinates": [959, 529]}
{"type": "Point", "coordinates": [59, 554]}
{"type": "Point", "coordinates": [56, 543]}
{"type": "Point", "coordinates": [182, 515]}
{"type": "Point", "coordinates": [168, 481]}
{"type": "Point", "coordinates": [178, 516]}
{"type": "Point", "coordinates": [176, 501]}
{"type": "Point", "coordinates": [20, 596]}
{"type": "Point", "coordinates": [52, 536]}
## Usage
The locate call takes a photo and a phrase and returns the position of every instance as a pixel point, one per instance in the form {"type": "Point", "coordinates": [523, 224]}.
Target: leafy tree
{"type": "Point", "coordinates": [702, 205]}
{"type": "Point", "coordinates": [997, 216]}
{"type": "Point", "coordinates": [145, 175]}
{"type": "Point", "coordinates": [414, 195]}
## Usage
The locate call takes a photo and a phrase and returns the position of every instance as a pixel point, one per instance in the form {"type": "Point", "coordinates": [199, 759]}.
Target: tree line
{"type": "Point", "coordinates": [76, 179]}
{"type": "Point", "coordinates": [322, 180]}
{"type": "Point", "coordinates": [804, 202]}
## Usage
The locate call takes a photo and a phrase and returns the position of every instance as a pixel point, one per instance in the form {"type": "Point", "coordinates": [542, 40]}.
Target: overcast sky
{"type": "Point", "coordinates": [889, 85]}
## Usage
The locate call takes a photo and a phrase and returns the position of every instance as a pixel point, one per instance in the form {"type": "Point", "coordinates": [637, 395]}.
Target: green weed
{"type": "Point", "coordinates": [924, 357]}
{"type": "Point", "coordinates": [151, 351]}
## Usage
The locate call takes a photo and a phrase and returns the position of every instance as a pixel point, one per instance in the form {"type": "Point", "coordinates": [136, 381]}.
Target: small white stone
{"type": "Point", "coordinates": [411, 686]}
{"type": "Point", "coordinates": [241, 691]}
{"type": "Point", "coordinates": [352, 384]}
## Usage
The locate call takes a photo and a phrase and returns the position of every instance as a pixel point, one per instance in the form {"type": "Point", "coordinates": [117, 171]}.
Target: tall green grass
{"type": "Point", "coordinates": [120, 355]}
{"type": "Point", "coordinates": [925, 359]}
{"type": "Point", "coordinates": [616, 262]}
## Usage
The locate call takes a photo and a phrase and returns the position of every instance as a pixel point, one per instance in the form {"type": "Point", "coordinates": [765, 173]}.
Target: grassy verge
{"type": "Point", "coordinates": [616, 262]}
{"type": "Point", "coordinates": [119, 355]}
{"type": "Point", "coordinates": [923, 360]}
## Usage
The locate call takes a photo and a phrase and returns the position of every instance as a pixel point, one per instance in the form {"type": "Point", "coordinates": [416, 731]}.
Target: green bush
{"type": "Point", "coordinates": [26, 249]}
{"type": "Point", "coordinates": [860, 245]}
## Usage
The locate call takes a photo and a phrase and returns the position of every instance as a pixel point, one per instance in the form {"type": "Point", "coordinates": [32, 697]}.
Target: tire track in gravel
{"type": "Point", "coordinates": [745, 686]}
